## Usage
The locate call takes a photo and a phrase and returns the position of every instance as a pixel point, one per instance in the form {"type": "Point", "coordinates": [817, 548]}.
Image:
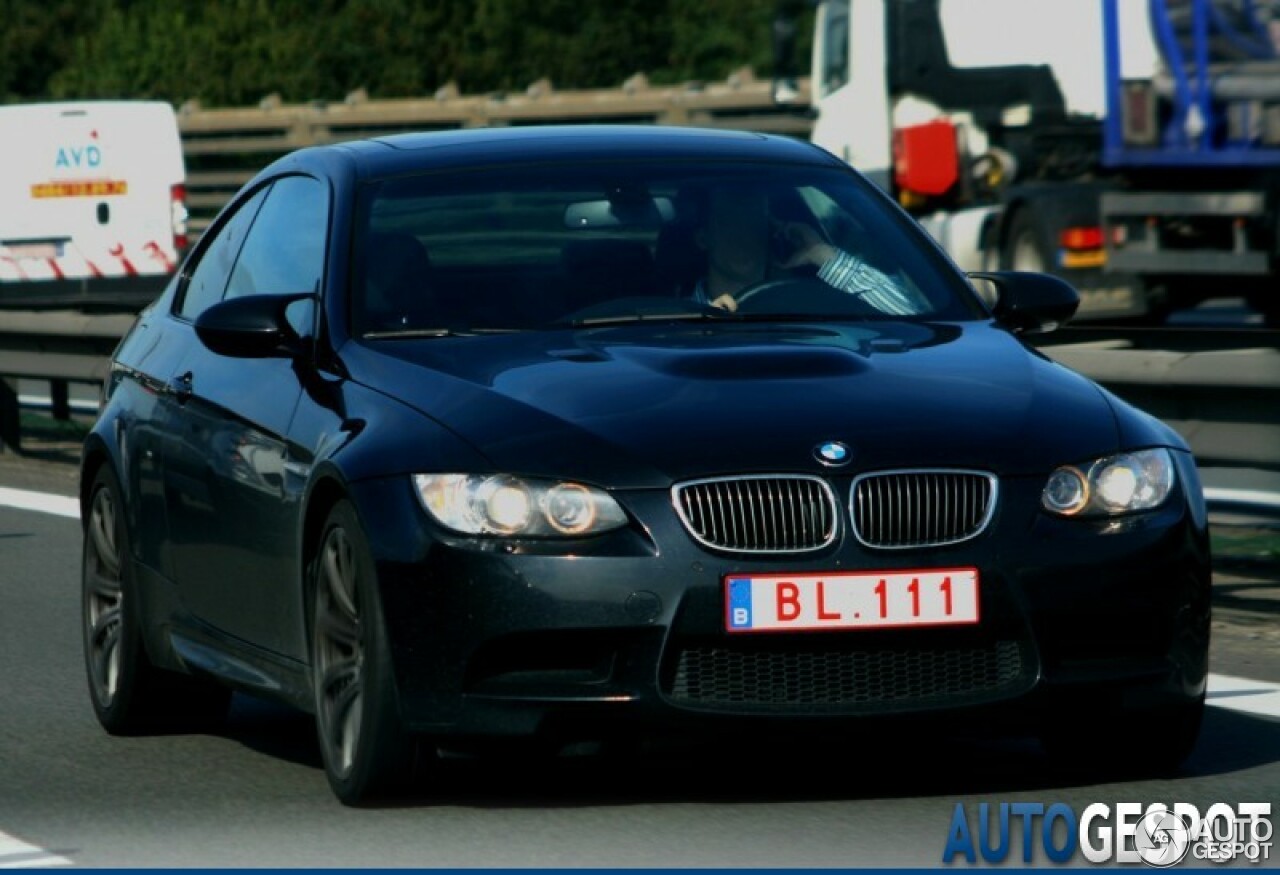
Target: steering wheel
{"type": "Point", "coordinates": [797, 295]}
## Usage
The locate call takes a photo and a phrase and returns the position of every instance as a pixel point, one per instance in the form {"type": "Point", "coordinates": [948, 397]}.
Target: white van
{"type": "Point", "coordinates": [92, 203]}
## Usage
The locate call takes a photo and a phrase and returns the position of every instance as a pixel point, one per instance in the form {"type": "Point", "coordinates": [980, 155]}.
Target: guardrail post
{"type": "Point", "coordinates": [10, 424]}
{"type": "Point", "coordinates": [59, 400]}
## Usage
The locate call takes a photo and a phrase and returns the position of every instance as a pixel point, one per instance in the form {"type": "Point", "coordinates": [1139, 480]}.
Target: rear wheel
{"type": "Point", "coordinates": [365, 748]}
{"type": "Point", "coordinates": [129, 694]}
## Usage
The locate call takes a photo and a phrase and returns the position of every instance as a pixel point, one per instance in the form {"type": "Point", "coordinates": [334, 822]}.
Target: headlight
{"type": "Point", "coordinates": [500, 504]}
{"type": "Point", "coordinates": [1114, 485]}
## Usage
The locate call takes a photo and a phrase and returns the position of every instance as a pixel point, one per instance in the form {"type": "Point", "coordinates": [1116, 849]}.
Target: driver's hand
{"type": "Point", "coordinates": [805, 244]}
{"type": "Point", "coordinates": [726, 302]}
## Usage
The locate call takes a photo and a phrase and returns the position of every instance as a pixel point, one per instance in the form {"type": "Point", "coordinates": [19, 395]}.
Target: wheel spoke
{"type": "Point", "coordinates": [351, 731]}
{"type": "Point", "coordinates": [106, 625]}
{"type": "Point", "coordinates": [339, 630]}
{"type": "Point", "coordinates": [102, 532]}
{"type": "Point", "coordinates": [106, 653]}
{"type": "Point", "coordinates": [342, 692]}
{"type": "Point", "coordinates": [339, 678]}
{"type": "Point", "coordinates": [339, 573]}
{"type": "Point", "coordinates": [102, 585]}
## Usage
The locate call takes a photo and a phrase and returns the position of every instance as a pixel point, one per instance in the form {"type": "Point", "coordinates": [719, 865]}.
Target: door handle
{"type": "Point", "coordinates": [180, 386]}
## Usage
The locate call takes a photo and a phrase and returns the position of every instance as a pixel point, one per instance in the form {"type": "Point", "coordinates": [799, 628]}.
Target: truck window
{"type": "Point", "coordinates": [835, 46]}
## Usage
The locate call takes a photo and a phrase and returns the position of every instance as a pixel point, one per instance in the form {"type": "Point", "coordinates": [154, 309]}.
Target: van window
{"type": "Point", "coordinates": [284, 253]}
{"type": "Point", "coordinates": [209, 279]}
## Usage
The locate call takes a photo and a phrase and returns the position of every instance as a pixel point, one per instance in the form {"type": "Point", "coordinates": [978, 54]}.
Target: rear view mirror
{"type": "Point", "coordinates": [1030, 303]}
{"type": "Point", "coordinates": [254, 326]}
{"type": "Point", "coordinates": [620, 212]}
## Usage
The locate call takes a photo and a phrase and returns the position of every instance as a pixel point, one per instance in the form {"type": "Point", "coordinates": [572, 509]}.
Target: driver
{"type": "Point", "coordinates": [738, 237]}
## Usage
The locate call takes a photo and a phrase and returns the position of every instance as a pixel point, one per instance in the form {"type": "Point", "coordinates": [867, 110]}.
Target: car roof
{"type": "Point", "coordinates": [479, 147]}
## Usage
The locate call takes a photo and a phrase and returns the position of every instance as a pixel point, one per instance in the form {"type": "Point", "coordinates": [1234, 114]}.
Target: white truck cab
{"type": "Point", "coordinates": [94, 204]}
{"type": "Point", "coordinates": [947, 104]}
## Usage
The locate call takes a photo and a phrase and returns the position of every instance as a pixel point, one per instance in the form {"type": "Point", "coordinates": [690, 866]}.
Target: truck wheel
{"type": "Point", "coordinates": [1024, 244]}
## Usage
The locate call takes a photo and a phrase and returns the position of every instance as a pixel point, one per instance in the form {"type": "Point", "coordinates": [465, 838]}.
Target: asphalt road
{"type": "Point", "coordinates": [255, 795]}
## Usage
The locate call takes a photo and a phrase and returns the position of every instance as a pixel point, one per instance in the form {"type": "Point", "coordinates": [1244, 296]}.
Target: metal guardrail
{"type": "Point", "coordinates": [61, 347]}
{"type": "Point", "coordinates": [1224, 401]}
{"type": "Point", "coordinates": [224, 148]}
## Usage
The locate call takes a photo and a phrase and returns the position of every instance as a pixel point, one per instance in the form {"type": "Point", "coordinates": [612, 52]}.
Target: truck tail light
{"type": "Point", "coordinates": [1082, 247]}
{"type": "Point", "coordinates": [1080, 239]}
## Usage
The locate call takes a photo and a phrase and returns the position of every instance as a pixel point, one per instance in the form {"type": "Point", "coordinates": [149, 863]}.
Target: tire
{"type": "Point", "coordinates": [1154, 742]}
{"type": "Point", "coordinates": [366, 752]}
{"type": "Point", "coordinates": [1024, 245]}
{"type": "Point", "coordinates": [130, 695]}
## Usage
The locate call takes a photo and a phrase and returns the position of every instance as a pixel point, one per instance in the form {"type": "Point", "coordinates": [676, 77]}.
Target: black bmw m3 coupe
{"type": "Point", "coordinates": [538, 433]}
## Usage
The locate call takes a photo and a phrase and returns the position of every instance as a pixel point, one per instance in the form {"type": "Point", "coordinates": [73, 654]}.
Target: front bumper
{"type": "Point", "coordinates": [626, 631]}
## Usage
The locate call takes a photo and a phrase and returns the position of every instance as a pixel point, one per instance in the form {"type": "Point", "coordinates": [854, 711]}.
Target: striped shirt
{"type": "Point", "coordinates": [849, 273]}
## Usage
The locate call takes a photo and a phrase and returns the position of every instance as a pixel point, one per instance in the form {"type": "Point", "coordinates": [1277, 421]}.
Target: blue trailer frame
{"type": "Point", "coordinates": [1183, 143]}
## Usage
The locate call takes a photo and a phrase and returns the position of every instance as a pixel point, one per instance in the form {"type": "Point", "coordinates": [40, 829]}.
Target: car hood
{"type": "Point", "coordinates": [641, 406]}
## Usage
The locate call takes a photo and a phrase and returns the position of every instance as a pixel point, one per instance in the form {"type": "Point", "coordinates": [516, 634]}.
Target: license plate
{"type": "Point", "coordinates": [851, 600]}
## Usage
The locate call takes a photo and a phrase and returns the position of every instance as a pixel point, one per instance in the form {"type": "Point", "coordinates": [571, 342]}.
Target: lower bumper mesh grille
{"type": "Point", "coordinates": [731, 676]}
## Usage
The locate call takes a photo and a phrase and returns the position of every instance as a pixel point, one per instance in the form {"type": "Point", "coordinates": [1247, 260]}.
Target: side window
{"type": "Point", "coordinates": [835, 47]}
{"type": "Point", "coordinates": [284, 253]}
{"type": "Point", "coordinates": [209, 279]}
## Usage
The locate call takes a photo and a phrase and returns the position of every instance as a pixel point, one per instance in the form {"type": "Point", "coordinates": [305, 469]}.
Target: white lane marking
{"type": "Point", "coordinates": [1242, 694]}
{"type": "Point", "coordinates": [43, 502]}
{"type": "Point", "coordinates": [17, 854]}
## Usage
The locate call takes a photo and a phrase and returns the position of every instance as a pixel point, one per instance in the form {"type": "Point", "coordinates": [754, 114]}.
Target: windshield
{"type": "Point", "coordinates": [548, 247]}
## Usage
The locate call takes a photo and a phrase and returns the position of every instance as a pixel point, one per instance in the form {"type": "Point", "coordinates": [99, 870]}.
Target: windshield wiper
{"type": "Point", "coordinates": [628, 318]}
{"type": "Point", "coordinates": [421, 333]}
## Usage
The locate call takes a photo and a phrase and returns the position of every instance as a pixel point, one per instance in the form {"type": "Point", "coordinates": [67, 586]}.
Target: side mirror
{"type": "Point", "coordinates": [1031, 303]}
{"type": "Point", "coordinates": [254, 326]}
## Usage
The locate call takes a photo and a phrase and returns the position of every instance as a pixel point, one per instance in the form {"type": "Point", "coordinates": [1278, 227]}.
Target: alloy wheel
{"type": "Point", "coordinates": [104, 597]}
{"type": "Point", "coordinates": [339, 651]}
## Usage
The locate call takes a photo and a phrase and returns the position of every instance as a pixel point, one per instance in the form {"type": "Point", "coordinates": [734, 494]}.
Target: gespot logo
{"type": "Point", "coordinates": [1127, 832]}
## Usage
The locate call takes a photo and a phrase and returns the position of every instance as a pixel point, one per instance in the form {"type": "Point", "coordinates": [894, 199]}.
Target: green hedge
{"type": "Point", "coordinates": [233, 52]}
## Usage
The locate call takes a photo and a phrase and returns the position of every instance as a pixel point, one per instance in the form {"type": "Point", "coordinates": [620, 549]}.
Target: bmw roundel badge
{"type": "Point", "coordinates": [833, 454]}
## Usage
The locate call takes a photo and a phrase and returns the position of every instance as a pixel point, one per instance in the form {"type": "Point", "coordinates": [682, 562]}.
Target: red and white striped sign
{"type": "Point", "coordinates": [36, 262]}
